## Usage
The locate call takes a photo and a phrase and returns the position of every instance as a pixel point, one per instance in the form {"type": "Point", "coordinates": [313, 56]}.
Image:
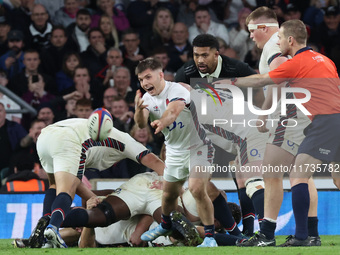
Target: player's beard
{"type": "Point", "coordinates": [16, 50]}
{"type": "Point", "coordinates": [84, 27]}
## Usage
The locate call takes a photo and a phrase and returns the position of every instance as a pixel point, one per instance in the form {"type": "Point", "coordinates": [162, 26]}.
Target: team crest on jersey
{"type": "Point", "coordinates": [156, 108]}
{"type": "Point", "coordinates": [167, 101]}
{"type": "Point", "coordinates": [199, 153]}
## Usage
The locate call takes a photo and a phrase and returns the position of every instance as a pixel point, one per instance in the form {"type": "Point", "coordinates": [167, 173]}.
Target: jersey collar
{"type": "Point", "coordinates": [303, 49]}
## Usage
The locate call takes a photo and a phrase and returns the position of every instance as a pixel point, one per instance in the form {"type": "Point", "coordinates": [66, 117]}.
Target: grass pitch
{"type": "Point", "coordinates": [330, 245]}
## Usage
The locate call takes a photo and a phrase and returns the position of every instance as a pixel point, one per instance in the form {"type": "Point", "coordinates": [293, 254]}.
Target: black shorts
{"type": "Point", "coordinates": [322, 139]}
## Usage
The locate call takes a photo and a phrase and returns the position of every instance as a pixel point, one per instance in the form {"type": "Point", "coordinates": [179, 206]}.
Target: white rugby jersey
{"type": "Point", "coordinates": [102, 155]}
{"type": "Point", "coordinates": [220, 121]}
{"type": "Point", "coordinates": [269, 50]}
{"type": "Point", "coordinates": [185, 132]}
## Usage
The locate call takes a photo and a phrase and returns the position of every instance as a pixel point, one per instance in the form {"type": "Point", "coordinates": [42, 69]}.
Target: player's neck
{"type": "Point", "coordinates": [296, 48]}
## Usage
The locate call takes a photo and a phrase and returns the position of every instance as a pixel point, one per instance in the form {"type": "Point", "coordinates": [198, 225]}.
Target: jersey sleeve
{"type": "Point", "coordinates": [134, 150]}
{"type": "Point", "coordinates": [285, 72]}
{"type": "Point", "coordinates": [178, 93]}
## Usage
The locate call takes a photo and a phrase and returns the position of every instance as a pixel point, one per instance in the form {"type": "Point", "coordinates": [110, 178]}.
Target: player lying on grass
{"type": "Point", "coordinates": [141, 195]}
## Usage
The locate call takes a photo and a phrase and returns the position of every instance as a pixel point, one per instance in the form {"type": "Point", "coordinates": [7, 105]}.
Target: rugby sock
{"type": "Point", "coordinates": [77, 217]}
{"type": "Point", "coordinates": [313, 226]}
{"type": "Point", "coordinates": [258, 202]}
{"type": "Point", "coordinates": [223, 214]}
{"type": "Point", "coordinates": [248, 212]}
{"type": "Point", "coordinates": [226, 240]}
{"type": "Point", "coordinates": [268, 228]}
{"type": "Point", "coordinates": [60, 207]}
{"type": "Point", "coordinates": [166, 222]}
{"type": "Point", "coordinates": [50, 195]}
{"type": "Point", "coordinates": [300, 201]}
{"type": "Point", "coordinates": [209, 231]}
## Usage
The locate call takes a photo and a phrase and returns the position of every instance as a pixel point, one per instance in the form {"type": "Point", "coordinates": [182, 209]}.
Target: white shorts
{"type": "Point", "coordinates": [189, 203]}
{"type": "Point", "coordinates": [288, 138]}
{"type": "Point", "coordinates": [117, 233]}
{"type": "Point", "coordinates": [256, 145]}
{"type": "Point", "coordinates": [59, 150]}
{"type": "Point", "coordinates": [179, 165]}
{"type": "Point", "coordinates": [139, 198]}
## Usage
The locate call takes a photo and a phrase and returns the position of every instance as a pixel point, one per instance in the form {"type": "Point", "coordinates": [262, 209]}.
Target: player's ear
{"type": "Point", "coordinates": [161, 75]}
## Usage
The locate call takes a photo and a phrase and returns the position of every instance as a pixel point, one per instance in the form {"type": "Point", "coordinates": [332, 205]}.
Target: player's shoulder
{"type": "Point", "coordinates": [176, 87]}
{"type": "Point", "coordinates": [231, 62]}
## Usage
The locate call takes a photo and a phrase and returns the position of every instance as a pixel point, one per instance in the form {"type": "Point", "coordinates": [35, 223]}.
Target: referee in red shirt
{"type": "Point", "coordinates": [316, 73]}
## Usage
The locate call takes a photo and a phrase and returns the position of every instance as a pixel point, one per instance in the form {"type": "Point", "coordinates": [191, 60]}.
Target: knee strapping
{"type": "Point", "coordinates": [254, 184]}
{"type": "Point", "coordinates": [108, 211]}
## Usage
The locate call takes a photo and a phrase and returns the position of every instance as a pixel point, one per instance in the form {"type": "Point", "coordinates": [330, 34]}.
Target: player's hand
{"type": "Point", "coordinates": [93, 202]}
{"type": "Point", "coordinates": [156, 185]}
{"type": "Point", "coordinates": [157, 125]}
{"type": "Point", "coordinates": [261, 123]}
{"type": "Point", "coordinates": [135, 240]}
{"type": "Point", "coordinates": [139, 101]}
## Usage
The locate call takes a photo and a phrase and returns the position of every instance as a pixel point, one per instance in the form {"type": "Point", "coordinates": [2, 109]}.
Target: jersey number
{"type": "Point", "coordinates": [174, 125]}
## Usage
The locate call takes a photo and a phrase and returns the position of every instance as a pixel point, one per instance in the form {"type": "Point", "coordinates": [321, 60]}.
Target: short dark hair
{"type": "Point", "coordinates": [201, 8]}
{"type": "Point", "coordinates": [84, 102]}
{"type": "Point", "coordinates": [83, 11]}
{"type": "Point", "coordinates": [32, 51]}
{"type": "Point", "coordinates": [295, 28]}
{"type": "Point", "coordinates": [81, 67]}
{"type": "Point", "coordinates": [206, 40]}
{"type": "Point", "coordinates": [235, 211]}
{"type": "Point", "coordinates": [261, 12]}
{"type": "Point", "coordinates": [59, 27]}
{"type": "Point", "coordinates": [94, 29]}
{"type": "Point", "coordinates": [148, 63]}
{"type": "Point", "coordinates": [128, 32]}
{"type": "Point", "coordinates": [159, 50]}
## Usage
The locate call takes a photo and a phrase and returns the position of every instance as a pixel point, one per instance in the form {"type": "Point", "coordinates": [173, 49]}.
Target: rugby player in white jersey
{"type": "Point", "coordinates": [236, 134]}
{"type": "Point", "coordinates": [283, 143]}
{"type": "Point", "coordinates": [65, 150]}
{"type": "Point", "coordinates": [188, 150]}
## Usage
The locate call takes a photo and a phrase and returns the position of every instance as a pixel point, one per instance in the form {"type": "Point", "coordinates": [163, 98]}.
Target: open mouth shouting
{"type": "Point", "coordinates": [150, 89]}
{"type": "Point", "coordinates": [203, 68]}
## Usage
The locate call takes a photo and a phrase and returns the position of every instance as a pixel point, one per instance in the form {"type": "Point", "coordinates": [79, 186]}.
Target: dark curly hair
{"type": "Point", "coordinates": [206, 40]}
{"type": "Point", "coordinates": [235, 211]}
